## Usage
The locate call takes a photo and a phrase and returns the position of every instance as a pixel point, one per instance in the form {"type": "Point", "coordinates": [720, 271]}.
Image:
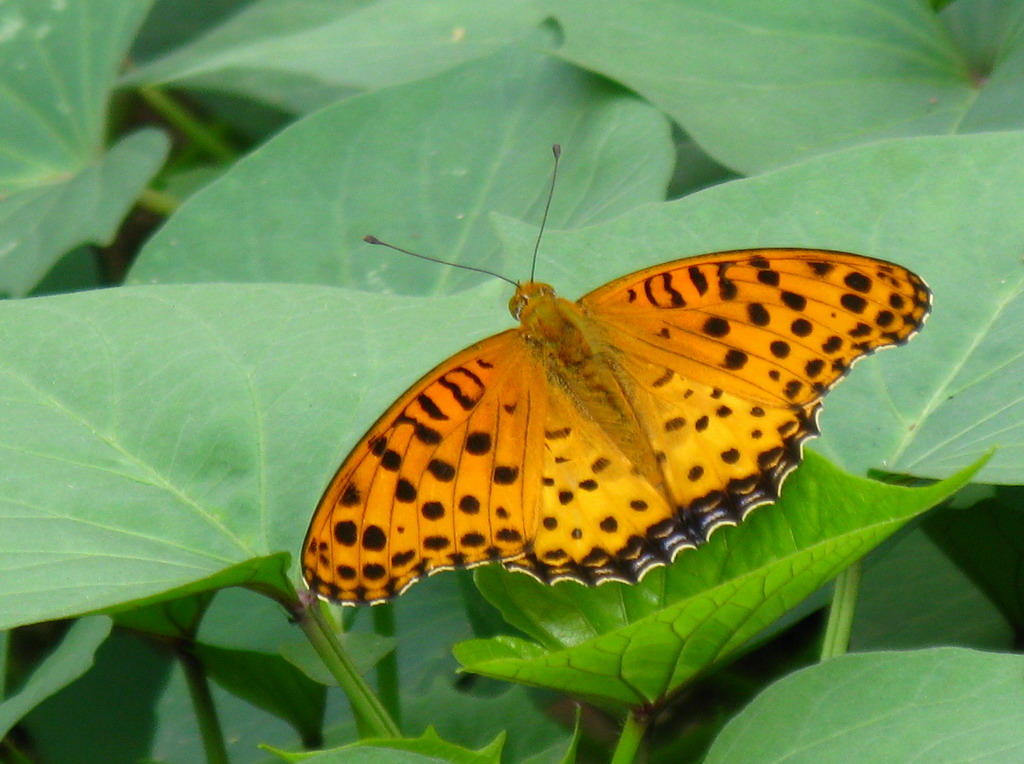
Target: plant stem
{"type": "Point", "coordinates": [371, 717]}
{"type": "Point", "coordinates": [180, 118]}
{"type": "Point", "coordinates": [206, 713]}
{"type": "Point", "coordinates": [387, 667]}
{"type": "Point", "coordinates": [841, 612]}
{"type": "Point", "coordinates": [632, 735]}
{"type": "Point", "coordinates": [158, 202]}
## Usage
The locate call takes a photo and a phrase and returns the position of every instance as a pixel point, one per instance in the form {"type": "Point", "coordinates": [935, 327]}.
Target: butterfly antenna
{"type": "Point", "coordinates": [557, 151]}
{"type": "Point", "coordinates": [375, 240]}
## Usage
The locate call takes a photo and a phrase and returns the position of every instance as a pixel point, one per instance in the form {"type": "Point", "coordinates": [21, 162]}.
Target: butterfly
{"type": "Point", "coordinates": [601, 437]}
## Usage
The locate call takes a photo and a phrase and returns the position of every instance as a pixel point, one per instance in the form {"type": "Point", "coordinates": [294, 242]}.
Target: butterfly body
{"type": "Point", "coordinates": [579, 361]}
{"type": "Point", "coordinates": [601, 437]}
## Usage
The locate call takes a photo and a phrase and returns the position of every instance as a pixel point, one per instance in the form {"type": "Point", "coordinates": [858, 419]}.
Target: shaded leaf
{"type": "Point", "coordinates": [173, 619]}
{"type": "Point", "coordinates": [71, 658]}
{"type": "Point", "coordinates": [107, 715]}
{"type": "Point", "coordinates": [269, 682]}
{"type": "Point", "coordinates": [912, 596]}
{"type": "Point", "coordinates": [986, 541]}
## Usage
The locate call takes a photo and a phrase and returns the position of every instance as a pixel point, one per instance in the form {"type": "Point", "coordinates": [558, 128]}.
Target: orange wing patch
{"type": "Point", "coordinates": [442, 480]}
{"type": "Point", "coordinates": [777, 326]}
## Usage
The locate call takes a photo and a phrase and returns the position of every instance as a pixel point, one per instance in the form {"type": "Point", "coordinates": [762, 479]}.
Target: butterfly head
{"type": "Point", "coordinates": [526, 298]}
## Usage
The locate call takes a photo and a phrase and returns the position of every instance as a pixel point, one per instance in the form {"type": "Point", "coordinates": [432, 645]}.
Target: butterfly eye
{"type": "Point", "coordinates": [516, 304]}
{"type": "Point", "coordinates": [527, 293]}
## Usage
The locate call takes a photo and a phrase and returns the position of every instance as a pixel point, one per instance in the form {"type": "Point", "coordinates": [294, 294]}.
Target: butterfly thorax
{"type": "Point", "coordinates": [578, 358]}
{"type": "Point", "coordinates": [553, 325]}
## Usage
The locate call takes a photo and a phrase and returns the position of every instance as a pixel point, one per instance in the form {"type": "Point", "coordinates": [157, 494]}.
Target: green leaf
{"type": "Point", "coordinates": [912, 595]}
{"type": "Point", "coordinates": [422, 165]}
{"type": "Point", "coordinates": [57, 187]}
{"type": "Point", "coordinates": [72, 658]}
{"type": "Point", "coordinates": [943, 704]}
{"type": "Point", "coordinates": [107, 715]}
{"type": "Point", "coordinates": [297, 55]}
{"type": "Point", "coordinates": [40, 222]}
{"type": "Point", "coordinates": [149, 439]}
{"type": "Point", "coordinates": [269, 682]}
{"type": "Point", "coordinates": [645, 642]}
{"type": "Point", "coordinates": [427, 749]}
{"type": "Point", "coordinates": [759, 85]}
{"type": "Point", "coordinates": [986, 541]}
{"type": "Point", "coordinates": [61, 59]}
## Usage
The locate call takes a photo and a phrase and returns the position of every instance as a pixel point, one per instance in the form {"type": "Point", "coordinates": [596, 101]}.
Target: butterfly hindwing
{"type": "Point", "coordinates": [596, 512]}
{"type": "Point", "coordinates": [442, 480]}
{"type": "Point", "coordinates": [718, 457]}
{"type": "Point", "coordinates": [721, 454]}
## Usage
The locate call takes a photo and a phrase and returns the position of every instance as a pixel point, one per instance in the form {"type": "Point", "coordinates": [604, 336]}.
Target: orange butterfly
{"type": "Point", "coordinates": [601, 437]}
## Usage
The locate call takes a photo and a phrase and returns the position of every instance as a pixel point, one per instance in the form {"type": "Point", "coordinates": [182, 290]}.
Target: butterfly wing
{"type": "Point", "coordinates": [718, 366]}
{"type": "Point", "coordinates": [444, 479]}
{"type": "Point", "coordinates": [718, 457]}
{"type": "Point", "coordinates": [724, 360]}
{"type": "Point", "coordinates": [777, 326]}
{"type": "Point", "coordinates": [599, 519]}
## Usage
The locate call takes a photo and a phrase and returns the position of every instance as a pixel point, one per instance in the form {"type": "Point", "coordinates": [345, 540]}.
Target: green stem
{"type": "Point", "coordinates": [180, 118]}
{"type": "Point", "coordinates": [632, 735]}
{"type": "Point", "coordinates": [371, 717]}
{"type": "Point", "coordinates": [206, 713]}
{"type": "Point", "coordinates": [841, 612]}
{"type": "Point", "coordinates": [158, 202]}
{"type": "Point", "coordinates": [387, 667]}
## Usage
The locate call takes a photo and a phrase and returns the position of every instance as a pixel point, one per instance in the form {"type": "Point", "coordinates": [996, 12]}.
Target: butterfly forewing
{"type": "Point", "coordinates": [444, 479]}
{"type": "Point", "coordinates": [774, 325]}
